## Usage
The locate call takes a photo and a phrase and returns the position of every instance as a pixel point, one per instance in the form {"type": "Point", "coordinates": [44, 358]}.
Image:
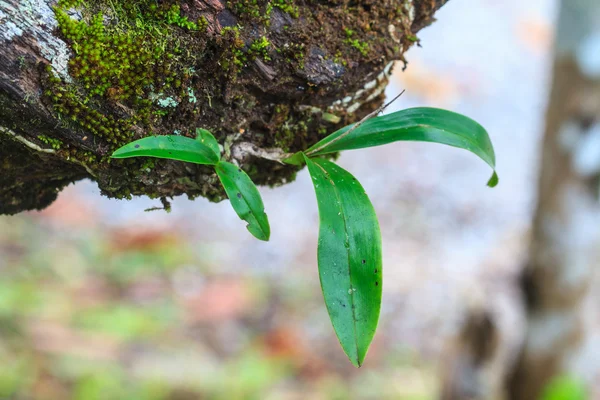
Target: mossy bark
{"type": "Point", "coordinates": [79, 78]}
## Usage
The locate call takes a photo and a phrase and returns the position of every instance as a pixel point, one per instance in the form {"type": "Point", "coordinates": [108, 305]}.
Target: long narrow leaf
{"type": "Point", "coordinates": [173, 147]}
{"type": "Point", "coordinates": [245, 199]}
{"type": "Point", "coordinates": [414, 124]}
{"type": "Point", "coordinates": [349, 256]}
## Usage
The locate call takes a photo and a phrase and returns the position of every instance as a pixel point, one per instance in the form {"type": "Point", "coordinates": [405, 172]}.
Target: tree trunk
{"type": "Point", "coordinates": [467, 367]}
{"type": "Point", "coordinates": [560, 281]}
{"type": "Point", "coordinates": [79, 78]}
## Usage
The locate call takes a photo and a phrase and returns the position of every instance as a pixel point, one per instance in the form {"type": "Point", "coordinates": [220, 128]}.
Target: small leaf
{"type": "Point", "coordinates": [172, 147]}
{"type": "Point", "coordinates": [349, 256]}
{"type": "Point", "coordinates": [414, 124]}
{"type": "Point", "coordinates": [245, 199]}
{"type": "Point", "coordinates": [207, 138]}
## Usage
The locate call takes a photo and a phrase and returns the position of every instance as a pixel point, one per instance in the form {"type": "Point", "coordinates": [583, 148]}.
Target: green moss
{"type": "Point", "coordinates": [287, 6]}
{"type": "Point", "coordinates": [56, 144]}
{"type": "Point", "coordinates": [260, 48]}
{"type": "Point", "coordinates": [67, 4]}
{"type": "Point", "coordinates": [294, 53]}
{"type": "Point", "coordinates": [288, 132]}
{"type": "Point", "coordinates": [248, 9]}
{"type": "Point", "coordinates": [361, 46]}
{"type": "Point", "coordinates": [260, 11]}
{"type": "Point", "coordinates": [148, 164]}
{"type": "Point", "coordinates": [122, 53]}
{"type": "Point", "coordinates": [173, 17]}
{"type": "Point", "coordinates": [235, 58]}
{"type": "Point", "coordinates": [117, 63]}
{"type": "Point", "coordinates": [72, 110]}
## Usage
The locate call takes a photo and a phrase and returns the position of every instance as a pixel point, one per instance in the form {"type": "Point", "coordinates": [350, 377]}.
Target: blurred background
{"type": "Point", "coordinates": [101, 300]}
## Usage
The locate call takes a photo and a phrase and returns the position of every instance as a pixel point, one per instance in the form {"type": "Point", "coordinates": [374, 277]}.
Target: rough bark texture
{"type": "Point", "coordinates": [561, 279]}
{"type": "Point", "coordinates": [79, 78]}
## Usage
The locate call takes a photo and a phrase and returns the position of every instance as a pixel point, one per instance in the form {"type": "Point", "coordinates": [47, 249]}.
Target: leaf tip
{"type": "Point", "coordinates": [493, 182]}
{"type": "Point", "coordinates": [207, 138]}
{"type": "Point", "coordinates": [118, 154]}
{"type": "Point", "coordinates": [356, 359]}
{"type": "Point", "coordinates": [259, 233]}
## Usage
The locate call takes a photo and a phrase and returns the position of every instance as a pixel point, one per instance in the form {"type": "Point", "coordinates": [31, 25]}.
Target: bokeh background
{"type": "Point", "coordinates": [101, 300]}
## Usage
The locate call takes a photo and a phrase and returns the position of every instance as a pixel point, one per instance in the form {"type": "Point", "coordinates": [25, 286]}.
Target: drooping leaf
{"type": "Point", "coordinates": [245, 199]}
{"type": "Point", "coordinates": [422, 124]}
{"type": "Point", "coordinates": [173, 147]}
{"type": "Point", "coordinates": [349, 256]}
{"type": "Point", "coordinates": [207, 138]}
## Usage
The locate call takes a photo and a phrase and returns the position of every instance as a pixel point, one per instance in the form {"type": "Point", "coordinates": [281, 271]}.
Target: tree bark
{"type": "Point", "coordinates": [78, 79]}
{"type": "Point", "coordinates": [467, 367]}
{"type": "Point", "coordinates": [560, 281]}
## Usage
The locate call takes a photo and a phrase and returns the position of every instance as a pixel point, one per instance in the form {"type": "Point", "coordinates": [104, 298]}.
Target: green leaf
{"type": "Point", "coordinates": [565, 387]}
{"type": "Point", "coordinates": [245, 199]}
{"type": "Point", "coordinates": [207, 138]}
{"type": "Point", "coordinates": [173, 147]}
{"type": "Point", "coordinates": [414, 124]}
{"type": "Point", "coordinates": [349, 256]}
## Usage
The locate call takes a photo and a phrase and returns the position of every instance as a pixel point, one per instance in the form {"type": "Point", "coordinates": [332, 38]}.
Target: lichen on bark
{"type": "Point", "coordinates": [85, 77]}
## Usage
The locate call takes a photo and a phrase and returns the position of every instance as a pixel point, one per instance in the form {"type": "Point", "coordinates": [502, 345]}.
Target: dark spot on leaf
{"type": "Point", "coordinates": [239, 195]}
{"type": "Point", "coordinates": [239, 170]}
{"type": "Point", "coordinates": [375, 270]}
{"type": "Point", "coordinates": [343, 305]}
{"type": "Point", "coordinates": [364, 261]}
{"type": "Point", "coordinates": [170, 153]}
{"type": "Point", "coordinates": [137, 146]}
{"type": "Point", "coordinates": [376, 283]}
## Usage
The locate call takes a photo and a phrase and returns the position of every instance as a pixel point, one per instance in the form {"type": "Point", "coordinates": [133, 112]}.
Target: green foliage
{"type": "Point", "coordinates": [173, 17]}
{"type": "Point", "coordinates": [245, 199]}
{"type": "Point", "coordinates": [260, 47]}
{"type": "Point", "coordinates": [564, 388]}
{"type": "Point", "coordinates": [56, 144]}
{"type": "Point", "coordinates": [252, 8]}
{"type": "Point", "coordinates": [420, 124]}
{"type": "Point", "coordinates": [246, 8]}
{"type": "Point", "coordinates": [242, 192]}
{"type": "Point", "coordinates": [362, 47]}
{"type": "Point", "coordinates": [349, 256]}
{"type": "Point", "coordinates": [135, 54]}
{"type": "Point", "coordinates": [207, 139]}
{"type": "Point", "coordinates": [349, 249]}
{"type": "Point", "coordinates": [286, 6]}
{"type": "Point", "coordinates": [173, 147]}
{"type": "Point", "coordinates": [104, 60]}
